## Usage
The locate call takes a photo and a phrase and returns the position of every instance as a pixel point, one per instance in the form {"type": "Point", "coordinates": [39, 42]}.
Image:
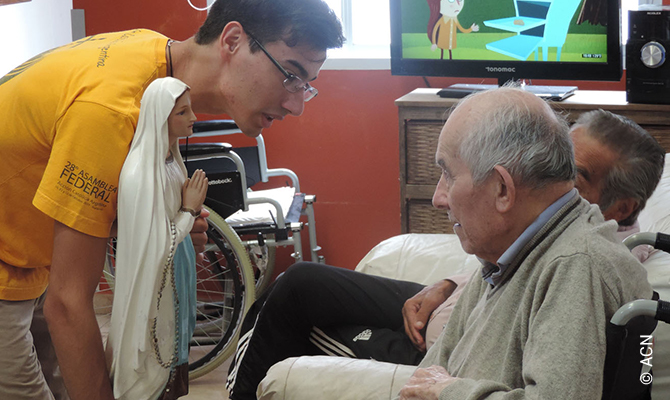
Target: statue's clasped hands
{"type": "Point", "coordinates": [194, 191]}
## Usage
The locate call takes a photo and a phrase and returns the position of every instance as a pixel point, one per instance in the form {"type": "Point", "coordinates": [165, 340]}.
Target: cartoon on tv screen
{"type": "Point", "coordinates": [505, 30]}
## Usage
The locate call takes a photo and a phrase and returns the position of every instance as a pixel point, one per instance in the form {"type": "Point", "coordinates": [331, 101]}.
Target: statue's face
{"type": "Point", "coordinates": [451, 8]}
{"type": "Point", "coordinates": [181, 118]}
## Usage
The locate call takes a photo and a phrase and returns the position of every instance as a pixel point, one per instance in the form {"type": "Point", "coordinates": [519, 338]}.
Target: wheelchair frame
{"type": "Point", "coordinates": [209, 151]}
{"type": "Point", "coordinates": [627, 375]}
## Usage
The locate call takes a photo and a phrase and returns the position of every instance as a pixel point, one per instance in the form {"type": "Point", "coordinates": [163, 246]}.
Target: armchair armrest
{"type": "Point", "coordinates": [333, 378]}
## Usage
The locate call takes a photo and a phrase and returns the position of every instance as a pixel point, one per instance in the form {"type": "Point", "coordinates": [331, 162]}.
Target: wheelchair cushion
{"type": "Point", "coordinates": [260, 213]}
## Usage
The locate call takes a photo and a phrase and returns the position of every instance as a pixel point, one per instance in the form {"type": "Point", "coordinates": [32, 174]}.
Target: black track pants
{"type": "Point", "coordinates": [361, 312]}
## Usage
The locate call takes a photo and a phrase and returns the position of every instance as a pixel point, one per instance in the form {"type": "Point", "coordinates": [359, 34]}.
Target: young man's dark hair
{"type": "Point", "coordinates": [296, 22]}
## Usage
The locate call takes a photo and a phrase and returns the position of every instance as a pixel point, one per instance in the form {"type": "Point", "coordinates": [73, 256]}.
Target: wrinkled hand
{"type": "Point", "coordinates": [418, 308]}
{"type": "Point", "coordinates": [426, 383]}
{"type": "Point", "coordinates": [198, 235]}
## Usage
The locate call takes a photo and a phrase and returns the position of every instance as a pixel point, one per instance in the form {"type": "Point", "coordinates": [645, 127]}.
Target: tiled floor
{"type": "Point", "coordinates": [210, 386]}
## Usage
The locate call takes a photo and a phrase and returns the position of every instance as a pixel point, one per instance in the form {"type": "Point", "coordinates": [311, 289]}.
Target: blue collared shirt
{"type": "Point", "coordinates": [492, 273]}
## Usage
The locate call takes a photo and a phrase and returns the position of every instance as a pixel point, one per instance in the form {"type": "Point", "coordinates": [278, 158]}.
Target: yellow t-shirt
{"type": "Point", "coordinates": [68, 117]}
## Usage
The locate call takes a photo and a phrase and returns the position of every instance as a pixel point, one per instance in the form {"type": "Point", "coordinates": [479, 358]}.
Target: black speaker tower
{"type": "Point", "coordinates": [647, 66]}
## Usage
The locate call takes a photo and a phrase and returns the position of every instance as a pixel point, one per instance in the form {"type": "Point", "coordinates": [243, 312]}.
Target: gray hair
{"type": "Point", "coordinates": [639, 166]}
{"type": "Point", "coordinates": [533, 146]}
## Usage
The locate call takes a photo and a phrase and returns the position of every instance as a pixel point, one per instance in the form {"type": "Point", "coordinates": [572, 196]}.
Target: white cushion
{"type": "Point", "coordinates": [418, 257]}
{"type": "Point", "coordinates": [260, 213]}
{"type": "Point", "coordinates": [656, 215]}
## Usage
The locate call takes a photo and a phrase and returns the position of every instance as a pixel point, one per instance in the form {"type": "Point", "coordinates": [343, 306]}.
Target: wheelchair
{"type": "Point", "coordinates": [263, 219]}
{"type": "Point", "coordinates": [233, 270]}
{"type": "Point", "coordinates": [628, 370]}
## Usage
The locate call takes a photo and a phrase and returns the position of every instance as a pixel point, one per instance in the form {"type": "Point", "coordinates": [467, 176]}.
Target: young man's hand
{"type": "Point", "coordinates": [418, 308]}
{"type": "Point", "coordinates": [199, 235]}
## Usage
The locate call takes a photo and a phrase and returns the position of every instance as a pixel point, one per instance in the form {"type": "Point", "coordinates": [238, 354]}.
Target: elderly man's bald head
{"type": "Point", "coordinates": [517, 130]}
{"type": "Point", "coordinates": [496, 150]}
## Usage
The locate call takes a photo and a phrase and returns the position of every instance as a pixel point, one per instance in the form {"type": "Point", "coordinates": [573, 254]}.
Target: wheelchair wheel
{"type": "Point", "coordinates": [264, 275]}
{"type": "Point", "coordinates": [262, 259]}
{"type": "Point", "coordinates": [225, 291]}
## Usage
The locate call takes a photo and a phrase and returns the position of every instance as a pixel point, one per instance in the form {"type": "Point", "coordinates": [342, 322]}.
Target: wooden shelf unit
{"type": "Point", "coordinates": [422, 114]}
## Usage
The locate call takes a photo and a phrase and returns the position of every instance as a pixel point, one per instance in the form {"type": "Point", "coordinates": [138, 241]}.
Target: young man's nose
{"type": "Point", "coordinates": [295, 103]}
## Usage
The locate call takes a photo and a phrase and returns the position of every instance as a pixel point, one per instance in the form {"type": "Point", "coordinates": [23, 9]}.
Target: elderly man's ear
{"type": "Point", "coordinates": [505, 189]}
{"type": "Point", "coordinates": [621, 209]}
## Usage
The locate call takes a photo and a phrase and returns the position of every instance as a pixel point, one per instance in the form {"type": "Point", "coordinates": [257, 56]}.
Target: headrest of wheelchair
{"type": "Point", "coordinates": [214, 125]}
{"type": "Point", "coordinates": [199, 149]}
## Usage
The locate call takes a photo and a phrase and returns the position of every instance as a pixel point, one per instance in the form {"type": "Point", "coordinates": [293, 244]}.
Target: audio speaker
{"type": "Point", "coordinates": [647, 67]}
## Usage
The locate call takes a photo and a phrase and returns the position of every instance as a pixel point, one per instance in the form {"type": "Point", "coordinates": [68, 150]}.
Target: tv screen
{"type": "Point", "coordinates": [507, 39]}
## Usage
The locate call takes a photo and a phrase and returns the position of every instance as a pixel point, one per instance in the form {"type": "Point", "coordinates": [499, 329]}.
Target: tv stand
{"type": "Point", "coordinates": [553, 93]}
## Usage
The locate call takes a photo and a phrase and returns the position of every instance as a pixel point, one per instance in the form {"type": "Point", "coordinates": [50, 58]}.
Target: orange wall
{"type": "Point", "coordinates": [345, 146]}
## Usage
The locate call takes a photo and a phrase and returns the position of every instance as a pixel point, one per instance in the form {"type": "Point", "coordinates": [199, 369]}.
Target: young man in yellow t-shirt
{"type": "Point", "coordinates": [68, 117]}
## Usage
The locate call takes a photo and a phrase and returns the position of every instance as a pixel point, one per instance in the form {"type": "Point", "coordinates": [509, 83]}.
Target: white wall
{"type": "Point", "coordinates": [27, 29]}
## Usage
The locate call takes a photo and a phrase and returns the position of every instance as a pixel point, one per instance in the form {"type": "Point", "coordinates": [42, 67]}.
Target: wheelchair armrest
{"type": "Point", "coordinates": [279, 216]}
{"type": "Point", "coordinates": [663, 311]}
{"type": "Point", "coordinates": [285, 172]}
{"type": "Point", "coordinates": [658, 240]}
{"type": "Point", "coordinates": [199, 149]}
{"type": "Point", "coordinates": [218, 127]}
{"type": "Point", "coordinates": [662, 242]}
{"type": "Point", "coordinates": [265, 172]}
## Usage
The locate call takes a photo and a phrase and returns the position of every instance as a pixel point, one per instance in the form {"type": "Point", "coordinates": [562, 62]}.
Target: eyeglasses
{"type": "Point", "coordinates": [292, 83]}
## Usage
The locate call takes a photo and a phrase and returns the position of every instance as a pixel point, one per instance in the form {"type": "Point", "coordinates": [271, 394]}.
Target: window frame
{"type": "Point", "coordinates": [357, 57]}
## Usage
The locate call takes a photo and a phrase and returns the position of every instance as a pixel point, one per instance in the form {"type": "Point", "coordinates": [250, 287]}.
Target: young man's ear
{"type": "Point", "coordinates": [505, 190]}
{"type": "Point", "coordinates": [621, 209]}
{"type": "Point", "coordinates": [232, 37]}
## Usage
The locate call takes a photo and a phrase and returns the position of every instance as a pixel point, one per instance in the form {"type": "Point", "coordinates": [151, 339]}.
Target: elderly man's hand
{"type": "Point", "coordinates": [418, 308]}
{"type": "Point", "coordinates": [198, 235]}
{"type": "Point", "coordinates": [426, 383]}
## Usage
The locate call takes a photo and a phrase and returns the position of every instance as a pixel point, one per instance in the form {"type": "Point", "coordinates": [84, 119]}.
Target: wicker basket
{"type": "Point", "coordinates": [424, 218]}
{"type": "Point", "coordinates": [421, 146]}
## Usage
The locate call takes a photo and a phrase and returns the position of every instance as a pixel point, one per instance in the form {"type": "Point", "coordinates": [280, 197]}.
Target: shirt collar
{"type": "Point", "coordinates": [493, 273]}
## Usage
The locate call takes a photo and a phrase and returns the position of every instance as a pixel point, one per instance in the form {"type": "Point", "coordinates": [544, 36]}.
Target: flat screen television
{"type": "Point", "coordinates": [507, 39]}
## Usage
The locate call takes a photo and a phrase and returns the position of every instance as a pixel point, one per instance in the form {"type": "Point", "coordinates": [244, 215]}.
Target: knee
{"type": "Point", "coordinates": [299, 278]}
{"type": "Point", "coordinates": [300, 273]}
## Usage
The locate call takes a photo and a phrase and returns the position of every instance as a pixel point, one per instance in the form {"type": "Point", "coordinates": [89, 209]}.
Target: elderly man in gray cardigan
{"type": "Point", "coordinates": [531, 324]}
